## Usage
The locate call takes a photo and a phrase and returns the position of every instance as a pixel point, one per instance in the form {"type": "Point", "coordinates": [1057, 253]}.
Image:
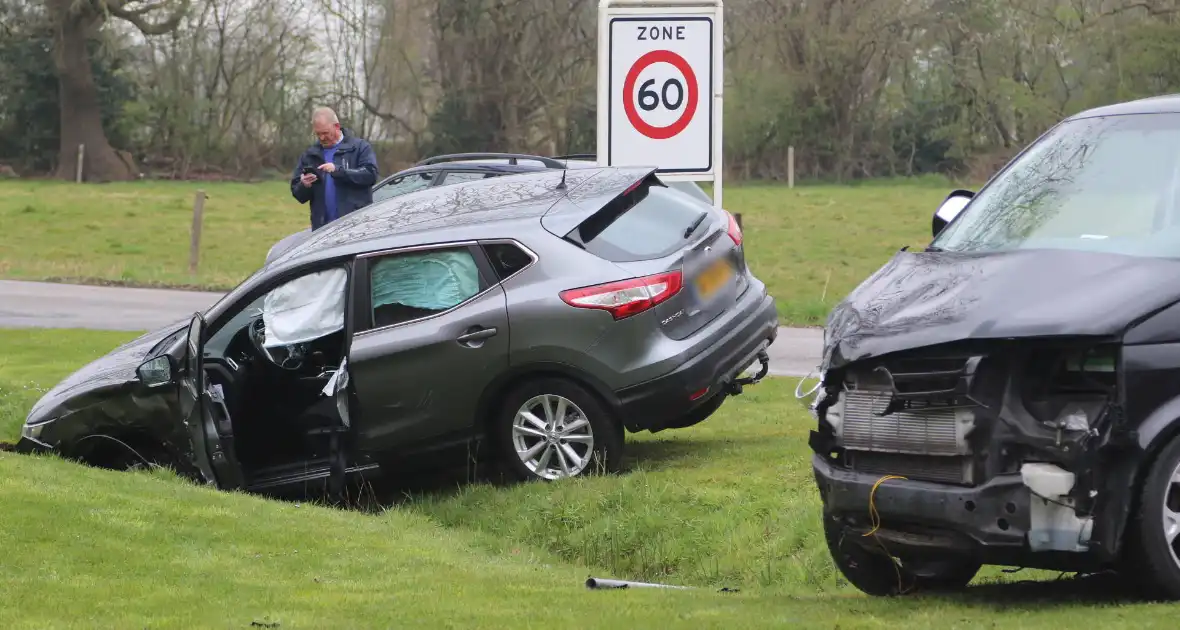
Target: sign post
{"type": "Point", "coordinates": [660, 76]}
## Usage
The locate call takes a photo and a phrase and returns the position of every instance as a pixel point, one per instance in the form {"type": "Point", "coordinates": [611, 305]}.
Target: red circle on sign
{"type": "Point", "coordinates": [651, 131]}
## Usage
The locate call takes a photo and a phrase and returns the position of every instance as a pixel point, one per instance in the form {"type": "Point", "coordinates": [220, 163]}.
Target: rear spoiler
{"type": "Point", "coordinates": [593, 195]}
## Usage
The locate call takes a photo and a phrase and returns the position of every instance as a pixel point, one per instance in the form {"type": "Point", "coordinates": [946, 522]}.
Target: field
{"type": "Point", "coordinates": [811, 244]}
{"type": "Point", "coordinates": [729, 503]}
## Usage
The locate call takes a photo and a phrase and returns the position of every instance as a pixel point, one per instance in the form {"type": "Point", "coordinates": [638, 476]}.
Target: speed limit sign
{"type": "Point", "coordinates": [659, 87]}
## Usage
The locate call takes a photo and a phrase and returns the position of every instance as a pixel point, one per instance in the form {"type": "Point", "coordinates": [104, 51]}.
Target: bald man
{"type": "Point", "coordinates": [336, 174]}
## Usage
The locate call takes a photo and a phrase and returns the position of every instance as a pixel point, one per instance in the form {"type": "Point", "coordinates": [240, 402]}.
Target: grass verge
{"type": "Point", "coordinates": [727, 503]}
{"type": "Point", "coordinates": [811, 244]}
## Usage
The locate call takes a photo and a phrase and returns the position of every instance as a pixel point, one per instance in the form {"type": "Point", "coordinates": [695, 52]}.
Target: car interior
{"type": "Point", "coordinates": [272, 362]}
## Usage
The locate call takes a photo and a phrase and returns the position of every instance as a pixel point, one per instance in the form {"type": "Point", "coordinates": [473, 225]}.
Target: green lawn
{"type": "Point", "coordinates": [729, 503]}
{"type": "Point", "coordinates": [811, 244]}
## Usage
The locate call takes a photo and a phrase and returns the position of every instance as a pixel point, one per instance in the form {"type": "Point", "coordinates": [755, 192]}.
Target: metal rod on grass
{"type": "Point", "coordinates": [603, 583]}
{"type": "Point", "coordinates": [78, 167]}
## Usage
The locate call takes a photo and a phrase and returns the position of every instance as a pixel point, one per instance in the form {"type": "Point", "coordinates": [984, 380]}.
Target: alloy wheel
{"type": "Point", "coordinates": [553, 437]}
{"type": "Point", "coordinates": [1171, 514]}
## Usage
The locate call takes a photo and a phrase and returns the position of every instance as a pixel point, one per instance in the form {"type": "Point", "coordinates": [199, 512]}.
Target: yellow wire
{"type": "Point", "coordinates": [875, 516]}
{"type": "Point", "coordinates": [873, 513]}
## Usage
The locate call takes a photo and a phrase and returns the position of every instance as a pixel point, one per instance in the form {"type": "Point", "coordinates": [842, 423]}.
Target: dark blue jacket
{"type": "Point", "coordinates": [356, 172]}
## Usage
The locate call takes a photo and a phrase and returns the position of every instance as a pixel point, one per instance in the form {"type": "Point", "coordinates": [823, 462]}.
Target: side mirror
{"type": "Point", "coordinates": [950, 208]}
{"type": "Point", "coordinates": [157, 372]}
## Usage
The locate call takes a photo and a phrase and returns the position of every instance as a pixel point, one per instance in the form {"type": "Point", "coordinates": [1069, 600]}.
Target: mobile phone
{"type": "Point", "coordinates": [309, 170]}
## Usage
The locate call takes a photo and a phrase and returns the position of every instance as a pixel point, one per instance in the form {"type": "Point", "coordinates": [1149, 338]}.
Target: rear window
{"type": "Point", "coordinates": [648, 222]}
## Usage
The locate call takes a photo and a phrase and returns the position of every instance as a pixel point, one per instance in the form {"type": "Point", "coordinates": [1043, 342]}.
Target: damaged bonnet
{"type": "Point", "coordinates": [921, 299]}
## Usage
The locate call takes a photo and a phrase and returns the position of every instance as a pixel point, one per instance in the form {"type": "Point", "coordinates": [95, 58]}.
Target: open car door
{"type": "Point", "coordinates": [206, 415]}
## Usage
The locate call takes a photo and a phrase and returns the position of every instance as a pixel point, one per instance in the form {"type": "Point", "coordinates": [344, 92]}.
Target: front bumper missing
{"type": "Point", "coordinates": [921, 517]}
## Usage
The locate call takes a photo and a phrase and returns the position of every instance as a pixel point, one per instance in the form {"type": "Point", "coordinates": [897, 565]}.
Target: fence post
{"type": "Point", "coordinates": [790, 167]}
{"type": "Point", "coordinates": [78, 166]}
{"type": "Point", "coordinates": [195, 245]}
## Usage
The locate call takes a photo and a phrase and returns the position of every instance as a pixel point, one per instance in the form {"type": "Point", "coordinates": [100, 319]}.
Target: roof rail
{"type": "Point", "coordinates": [577, 156]}
{"type": "Point", "coordinates": [512, 158]}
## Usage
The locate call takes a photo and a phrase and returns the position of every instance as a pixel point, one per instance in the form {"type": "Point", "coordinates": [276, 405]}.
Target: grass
{"type": "Point", "coordinates": [729, 503]}
{"type": "Point", "coordinates": [811, 244]}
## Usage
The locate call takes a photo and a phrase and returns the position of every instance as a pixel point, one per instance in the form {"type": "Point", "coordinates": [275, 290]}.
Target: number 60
{"type": "Point", "coordinates": [649, 100]}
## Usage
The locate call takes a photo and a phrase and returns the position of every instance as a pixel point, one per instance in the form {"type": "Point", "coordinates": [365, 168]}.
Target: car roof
{"type": "Point", "coordinates": [457, 211]}
{"type": "Point", "coordinates": [501, 163]}
{"type": "Point", "coordinates": [1163, 104]}
{"type": "Point", "coordinates": [473, 165]}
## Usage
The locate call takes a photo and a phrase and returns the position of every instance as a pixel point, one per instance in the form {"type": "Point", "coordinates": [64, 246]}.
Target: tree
{"type": "Point", "coordinates": [75, 23]}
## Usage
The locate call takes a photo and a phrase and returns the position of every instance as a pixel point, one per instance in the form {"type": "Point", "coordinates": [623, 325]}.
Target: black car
{"type": "Point", "coordinates": [1011, 394]}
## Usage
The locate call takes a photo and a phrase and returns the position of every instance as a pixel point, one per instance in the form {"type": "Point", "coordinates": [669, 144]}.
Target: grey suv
{"type": "Point", "coordinates": [542, 314]}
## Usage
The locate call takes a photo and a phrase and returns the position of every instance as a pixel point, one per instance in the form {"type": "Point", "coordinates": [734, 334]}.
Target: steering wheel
{"type": "Point", "coordinates": [291, 356]}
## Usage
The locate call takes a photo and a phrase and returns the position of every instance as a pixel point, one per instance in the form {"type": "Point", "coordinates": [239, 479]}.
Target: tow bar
{"type": "Point", "coordinates": [735, 387]}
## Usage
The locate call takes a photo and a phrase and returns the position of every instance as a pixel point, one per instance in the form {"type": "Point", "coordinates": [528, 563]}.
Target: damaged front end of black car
{"type": "Point", "coordinates": [1011, 395]}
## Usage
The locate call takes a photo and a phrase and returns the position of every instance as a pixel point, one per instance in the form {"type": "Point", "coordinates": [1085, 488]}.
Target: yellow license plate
{"type": "Point", "coordinates": [712, 279]}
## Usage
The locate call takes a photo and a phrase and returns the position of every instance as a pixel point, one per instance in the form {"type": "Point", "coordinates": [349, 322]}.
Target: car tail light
{"type": "Point", "coordinates": [735, 230]}
{"type": "Point", "coordinates": [627, 297]}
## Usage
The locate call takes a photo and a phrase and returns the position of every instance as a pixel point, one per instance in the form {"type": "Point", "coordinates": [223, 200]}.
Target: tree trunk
{"type": "Point", "coordinates": [81, 115]}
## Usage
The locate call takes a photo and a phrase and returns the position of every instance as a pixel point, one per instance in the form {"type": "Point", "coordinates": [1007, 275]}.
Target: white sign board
{"type": "Point", "coordinates": [659, 87]}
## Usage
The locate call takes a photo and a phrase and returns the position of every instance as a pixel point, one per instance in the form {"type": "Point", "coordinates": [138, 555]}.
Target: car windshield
{"type": "Point", "coordinates": [1109, 184]}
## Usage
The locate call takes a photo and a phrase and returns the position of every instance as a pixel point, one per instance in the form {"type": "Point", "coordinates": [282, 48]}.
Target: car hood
{"type": "Point", "coordinates": [922, 299]}
{"type": "Point", "coordinates": [95, 380]}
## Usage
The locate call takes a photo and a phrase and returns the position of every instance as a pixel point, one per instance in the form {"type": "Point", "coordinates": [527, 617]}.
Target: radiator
{"type": "Point", "coordinates": [923, 428]}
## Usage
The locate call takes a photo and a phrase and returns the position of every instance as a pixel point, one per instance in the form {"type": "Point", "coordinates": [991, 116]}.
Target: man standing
{"type": "Point", "coordinates": [336, 174]}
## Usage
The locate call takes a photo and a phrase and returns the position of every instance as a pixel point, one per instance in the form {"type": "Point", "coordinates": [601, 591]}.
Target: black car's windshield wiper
{"type": "Point", "coordinates": [695, 224]}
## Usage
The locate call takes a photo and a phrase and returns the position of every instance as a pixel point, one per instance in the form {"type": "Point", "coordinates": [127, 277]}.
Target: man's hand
{"type": "Point", "coordinates": [307, 179]}
{"type": "Point", "coordinates": [328, 167]}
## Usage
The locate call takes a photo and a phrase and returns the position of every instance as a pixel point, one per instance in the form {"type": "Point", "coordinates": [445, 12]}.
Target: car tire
{"type": "Point", "coordinates": [1147, 538]}
{"type": "Point", "coordinates": [593, 446]}
{"type": "Point", "coordinates": [871, 573]}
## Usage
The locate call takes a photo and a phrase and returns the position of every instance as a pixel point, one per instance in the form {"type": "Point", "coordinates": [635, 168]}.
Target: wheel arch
{"type": "Point", "coordinates": [494, 394]}
{"type": "Point", "coordinates": [1154, 435]}
{"type": "Point", "coordinates": [106, 447]}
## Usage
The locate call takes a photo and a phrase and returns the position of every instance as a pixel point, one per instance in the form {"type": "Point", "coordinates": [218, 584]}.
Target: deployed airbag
{"type": "Point", "coordinates": [306, 308]}
{"type": "Point", "coordinates": [430, 280]}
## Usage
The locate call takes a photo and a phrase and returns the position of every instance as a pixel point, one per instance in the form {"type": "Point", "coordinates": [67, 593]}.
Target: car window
{"type": "Point", "coordinates": [647, 223]}
{"type": "Point", "coordinates": [507, 258]}
{"type": "Point", "coordinates": [402, 185]}
{"type": "Point", "coordinates": [691, 188]}
{"type": "Point", "coordinates": [1100, 184]}
{"type": "Point", "coordinates": [413, 285]}
{"type": "Point", "coordinates": [458, 177]}
{"type": "Point", "coordinates": [306, 308]}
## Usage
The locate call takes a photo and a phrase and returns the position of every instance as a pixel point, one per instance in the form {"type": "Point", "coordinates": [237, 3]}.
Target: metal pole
{"type": "Point", "coordinates": [81, 157]}
{"type": "Point", "coordinates": [602, 583]}
{"type": "Point", "coordinates": [718, 102]}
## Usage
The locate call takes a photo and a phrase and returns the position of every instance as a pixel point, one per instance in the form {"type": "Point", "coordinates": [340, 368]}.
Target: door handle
{"type": "Point", "coordinates": [478, 335]}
